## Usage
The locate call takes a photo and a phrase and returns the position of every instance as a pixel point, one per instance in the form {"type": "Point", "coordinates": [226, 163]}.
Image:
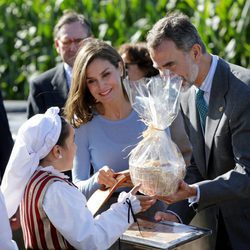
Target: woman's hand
{"type": "Point", "coordinates": [105, 177]}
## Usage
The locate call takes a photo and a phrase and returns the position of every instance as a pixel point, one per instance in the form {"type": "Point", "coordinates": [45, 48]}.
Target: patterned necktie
{"type": "Point", "coordinates": [202, 107]}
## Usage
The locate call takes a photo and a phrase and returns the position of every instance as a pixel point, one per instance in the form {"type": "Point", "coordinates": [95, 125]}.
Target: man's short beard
{"type": "Point", "coordinates": [187, 84]}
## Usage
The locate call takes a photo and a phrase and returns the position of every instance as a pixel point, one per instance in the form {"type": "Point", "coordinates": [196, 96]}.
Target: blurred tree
{"type": "Point", "coordinates": [26, 40]}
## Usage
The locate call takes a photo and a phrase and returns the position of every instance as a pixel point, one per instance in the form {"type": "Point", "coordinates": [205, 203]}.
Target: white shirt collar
{"type": "Point", "coordinates": [207, 83]}
{"type": "Point", "coordinates": [54, 171]}
{"type": "Point", "coordinates": [68, 73]}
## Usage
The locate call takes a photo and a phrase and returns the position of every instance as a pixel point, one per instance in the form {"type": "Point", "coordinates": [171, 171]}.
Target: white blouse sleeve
{"type": "Point", "coordinates": [6, 241]}
{"type": "Point", "coordinates": [66, 208]}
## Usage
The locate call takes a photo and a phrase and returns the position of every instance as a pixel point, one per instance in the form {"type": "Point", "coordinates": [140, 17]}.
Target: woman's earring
{"type": "Point", "coordinates": [60, 156]}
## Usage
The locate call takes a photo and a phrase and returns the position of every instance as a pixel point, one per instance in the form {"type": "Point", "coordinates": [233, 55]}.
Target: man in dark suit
{"type": "Point", "coordinates": [51, 88]}
{"type": "Point", "coordinates": [6, 138]}
{"type": "Point", "coordinates": [216, 110]}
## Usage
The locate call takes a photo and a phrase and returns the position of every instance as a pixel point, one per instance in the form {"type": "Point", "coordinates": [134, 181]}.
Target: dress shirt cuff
{"type": "Point", "coordinates": [195, 199]}
{"type": "Point", "coordinates": [178, 217]}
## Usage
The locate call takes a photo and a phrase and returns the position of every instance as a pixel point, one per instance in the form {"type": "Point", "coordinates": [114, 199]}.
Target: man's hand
{"type": "Point", "coordinates": [183, 192]}
{"type": "Point", "coordinates": [160, 216]}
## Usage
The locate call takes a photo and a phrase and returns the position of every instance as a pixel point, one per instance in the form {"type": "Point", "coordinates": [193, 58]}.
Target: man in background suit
{"type": "Point", "coordinates": [6, 138]}
{"type": "Point", "coordinates": [51, 88]}
{"type": "Point", "coordinates": [217, 184]}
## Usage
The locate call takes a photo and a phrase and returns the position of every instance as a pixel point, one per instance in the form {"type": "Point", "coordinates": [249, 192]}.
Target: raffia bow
{"type": "Point", "coordinates": [150, 130]}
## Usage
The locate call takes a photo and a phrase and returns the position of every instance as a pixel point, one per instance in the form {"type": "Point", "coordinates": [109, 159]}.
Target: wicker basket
{"type": "Point", "coordinates": [156, 179]}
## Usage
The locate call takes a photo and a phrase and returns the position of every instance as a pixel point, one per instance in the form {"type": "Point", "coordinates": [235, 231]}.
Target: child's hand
{"type": "Point", "coordinates": [15, 223]}
{"type": "Point", "coordinates": [145, 201]}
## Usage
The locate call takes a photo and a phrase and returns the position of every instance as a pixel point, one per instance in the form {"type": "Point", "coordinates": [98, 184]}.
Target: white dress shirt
{"type": "Point", "coordinates": [68, 74]}
{"type": "Point", "coordinates": [66, 208]}
{"type": "Point", "coordinates": [207, 83]}
{"type": "Point", "coordinates": [206, 87]}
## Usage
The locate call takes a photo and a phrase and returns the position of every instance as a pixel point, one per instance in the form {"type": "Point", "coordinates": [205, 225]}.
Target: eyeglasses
{"type": "Point", "coordinates": [69, 42]}
{"type": "Point", "coordinates": [131, 63]}
{"type": "Point", "coordinates": [126, 65]}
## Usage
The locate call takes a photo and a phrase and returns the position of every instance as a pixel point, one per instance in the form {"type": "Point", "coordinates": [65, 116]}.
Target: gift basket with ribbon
{"type": "Point", "coordinates": [156, 161]}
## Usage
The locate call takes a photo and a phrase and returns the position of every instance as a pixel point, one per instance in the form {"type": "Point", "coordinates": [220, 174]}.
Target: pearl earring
{"type": "Point", "coordinates": [60, 156]}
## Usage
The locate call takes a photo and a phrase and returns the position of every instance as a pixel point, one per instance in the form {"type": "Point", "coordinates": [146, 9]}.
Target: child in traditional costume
{"type": "Point", "coordinates": [54, 214]}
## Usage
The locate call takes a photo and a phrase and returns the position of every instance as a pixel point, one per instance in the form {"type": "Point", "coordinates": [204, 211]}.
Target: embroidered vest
{"type": "Point", "coordinates": [38, 231]}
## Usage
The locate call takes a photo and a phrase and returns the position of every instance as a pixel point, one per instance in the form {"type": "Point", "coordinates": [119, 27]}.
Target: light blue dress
{"type": "Point", "coordinates": [103, 142]}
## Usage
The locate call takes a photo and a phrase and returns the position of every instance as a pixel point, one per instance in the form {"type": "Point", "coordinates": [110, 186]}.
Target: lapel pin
{"type": "Point", "coordinates": [221, 108]}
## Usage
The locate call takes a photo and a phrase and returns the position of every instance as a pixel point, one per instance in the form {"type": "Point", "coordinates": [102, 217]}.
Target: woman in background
{"type": "Point", "coordinates": [137, 61]}
{"type": "Point", "coordinates": [107, 128]}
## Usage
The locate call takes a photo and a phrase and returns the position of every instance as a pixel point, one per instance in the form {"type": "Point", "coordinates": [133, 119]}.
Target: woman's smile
{"type": "Point", "coordinates": [105, 92]}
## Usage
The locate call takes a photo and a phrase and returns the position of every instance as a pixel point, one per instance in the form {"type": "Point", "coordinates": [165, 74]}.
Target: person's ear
{"type": "Point", "coordinates": [196, 52]}
{"type": "Point", "coordinates": [56, 42]}
{"type": "Point", "coordinates": [56, 152]}
{"type": "Point", "coordinates": [121, 69]}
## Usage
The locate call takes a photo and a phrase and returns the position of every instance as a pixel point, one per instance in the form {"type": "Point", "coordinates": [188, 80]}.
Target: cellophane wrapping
{"type": "Point", "coordinates": [156, 162]}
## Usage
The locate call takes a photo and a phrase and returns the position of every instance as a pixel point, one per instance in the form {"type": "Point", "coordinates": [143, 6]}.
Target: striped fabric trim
{"type": "Point", "coordinates": [39, 233]}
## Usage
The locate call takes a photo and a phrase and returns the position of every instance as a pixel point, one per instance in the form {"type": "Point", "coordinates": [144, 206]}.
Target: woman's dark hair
{"type": "Point", "coordinates": [138, 53]}
{"type": "Point", "coordinates": [64, 133]}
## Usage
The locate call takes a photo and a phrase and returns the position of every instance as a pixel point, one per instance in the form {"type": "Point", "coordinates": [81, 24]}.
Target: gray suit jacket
{"type": "Point", "coordinates": [221, 158]}
{"type": "Point", "coordinates": [47, 90]}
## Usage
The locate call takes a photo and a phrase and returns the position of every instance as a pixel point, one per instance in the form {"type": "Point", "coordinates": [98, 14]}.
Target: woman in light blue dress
{"type": "Point", "coordinates": [106, 126]}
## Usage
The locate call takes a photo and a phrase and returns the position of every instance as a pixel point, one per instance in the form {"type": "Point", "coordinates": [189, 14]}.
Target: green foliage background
{"type": "Point", "coordinates": [26, 42]}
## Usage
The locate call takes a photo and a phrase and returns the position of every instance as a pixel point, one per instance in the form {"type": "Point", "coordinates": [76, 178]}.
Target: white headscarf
{"type": "Point", "coordinates": [35, 139]}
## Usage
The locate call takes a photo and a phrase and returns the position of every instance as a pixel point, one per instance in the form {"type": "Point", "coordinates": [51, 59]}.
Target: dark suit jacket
{"type": "Point", "coordinates": [221, 158]}
{"type": "Point", "coordinates": [47, 90]}
{"type": "Point", "coordinates": [6, 138]}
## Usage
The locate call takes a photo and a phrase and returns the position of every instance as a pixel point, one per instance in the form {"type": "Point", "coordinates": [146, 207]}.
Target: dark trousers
{"type": "Point", "coordinates": [222, 239]}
